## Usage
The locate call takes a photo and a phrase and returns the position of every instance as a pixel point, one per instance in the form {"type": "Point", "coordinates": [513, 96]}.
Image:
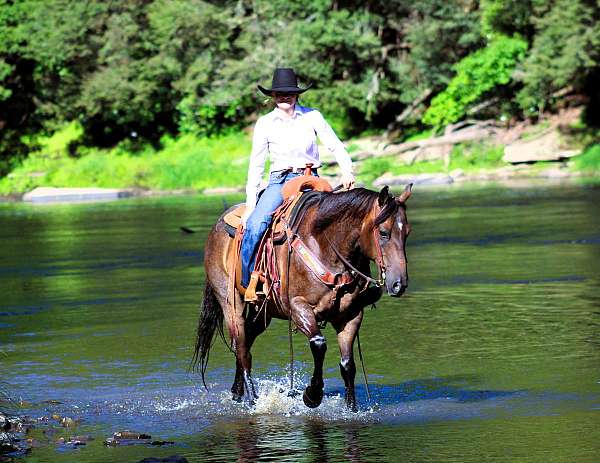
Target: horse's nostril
{"type": "Point", "coordinates": [397, 288]}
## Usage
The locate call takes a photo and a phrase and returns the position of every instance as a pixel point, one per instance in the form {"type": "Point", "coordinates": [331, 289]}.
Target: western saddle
{"type": "Point", "coordinates": [264, 278]}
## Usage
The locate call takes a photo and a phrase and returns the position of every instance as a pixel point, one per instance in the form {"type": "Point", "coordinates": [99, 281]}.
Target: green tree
{"type": "Point", "coordinates": [476, 75]}
{"type": "Point", "coordinates": [565, 52]}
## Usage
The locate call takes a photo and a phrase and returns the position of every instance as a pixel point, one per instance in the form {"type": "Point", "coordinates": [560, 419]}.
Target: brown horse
{"type": "Point", "coordinates": [345, 231]}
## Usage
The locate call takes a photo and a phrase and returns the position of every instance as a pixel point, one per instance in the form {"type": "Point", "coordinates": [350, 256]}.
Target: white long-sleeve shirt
{"type": "Point", "coordinates": [291, 142]}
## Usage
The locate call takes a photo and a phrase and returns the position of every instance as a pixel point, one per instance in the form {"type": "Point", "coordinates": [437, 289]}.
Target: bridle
{"type": "Point", "coordinates": [378, 259]}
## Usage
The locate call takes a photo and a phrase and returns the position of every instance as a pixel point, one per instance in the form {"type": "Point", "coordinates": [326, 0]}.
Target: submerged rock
{"type": "Point", "coordinates": [75, 441]}
{"type": "Point", "coordinates": [12, 430]}
{"type": "Point", "coordinates": [68, 422]}
{"type": "Point", "coordinates": [171, 459]}
{"type": "Point", "coordinates": [131, 435]}
{"type": "Point", "coordinates": [11, 444]}
{"type": "Point", "coordinates": [8, 443]}
{"type": "Point", "coordinates": [128, 438]}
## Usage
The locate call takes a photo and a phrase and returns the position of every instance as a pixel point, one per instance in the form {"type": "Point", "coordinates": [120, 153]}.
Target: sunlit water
{"type": "Point", "coordinates": [492, 355]}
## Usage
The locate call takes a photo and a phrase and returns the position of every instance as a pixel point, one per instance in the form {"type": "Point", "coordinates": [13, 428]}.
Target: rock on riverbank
{"type": "Point", "coordinates": [12, 442]}
{"type": "Point", "coordinates": [49, 194]}
{"type": "Point", "coordinates": [511, 172]}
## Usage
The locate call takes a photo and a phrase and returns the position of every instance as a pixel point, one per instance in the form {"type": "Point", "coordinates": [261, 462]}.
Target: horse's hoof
{"type": "Point", "coordinates": [351, 405]}
{"type": "Point", "coordinates": [312, 397]}
{"type": "Point", "coordinates": [237, 397]}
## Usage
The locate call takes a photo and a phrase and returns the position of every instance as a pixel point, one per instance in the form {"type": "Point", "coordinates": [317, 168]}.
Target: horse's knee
{"type": "Point", "coordinates": [318, 345]}
{"type": "Point", "coordinates": [347, 368]}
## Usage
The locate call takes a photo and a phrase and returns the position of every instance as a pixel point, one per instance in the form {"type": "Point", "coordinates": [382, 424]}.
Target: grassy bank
{"type": "Point", "coordinates": [190, 162]}
{"type": "Point", "coordinates": [589, 161]}
{"type": "Point", "coordinates": [185, 162]}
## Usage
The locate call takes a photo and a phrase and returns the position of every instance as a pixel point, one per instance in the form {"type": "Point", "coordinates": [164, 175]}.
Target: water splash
{"type": "Point", "coordinates": [276, 399]}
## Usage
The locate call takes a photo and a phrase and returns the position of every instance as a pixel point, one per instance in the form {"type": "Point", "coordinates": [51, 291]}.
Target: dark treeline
{"type": "Point", "coordinates": [138, 69]}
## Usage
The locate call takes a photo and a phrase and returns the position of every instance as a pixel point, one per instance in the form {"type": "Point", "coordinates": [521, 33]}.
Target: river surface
{"type": "Point", "coordinates": [493, 354]}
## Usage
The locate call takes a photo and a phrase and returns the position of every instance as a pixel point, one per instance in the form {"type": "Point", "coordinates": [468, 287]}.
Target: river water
{"type": "Point", "coordinates": [493, 354]}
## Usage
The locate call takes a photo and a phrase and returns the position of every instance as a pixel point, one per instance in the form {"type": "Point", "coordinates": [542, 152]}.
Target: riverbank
{"type": "Point", "coordinates": [479, 152]}
{"type": "Point", "coordinates": [512, 177]}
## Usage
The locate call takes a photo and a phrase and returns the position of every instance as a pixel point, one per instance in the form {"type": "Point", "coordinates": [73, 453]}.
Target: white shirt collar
{"type": "Point", "coordinates": [278, 114]}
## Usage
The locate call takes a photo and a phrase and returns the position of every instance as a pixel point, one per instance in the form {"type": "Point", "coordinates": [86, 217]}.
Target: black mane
{"type": "Point", "coordinates": [334, 207]}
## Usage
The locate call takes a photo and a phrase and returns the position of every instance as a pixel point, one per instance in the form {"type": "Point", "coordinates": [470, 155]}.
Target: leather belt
{"type": "Point", "coordinates": [294, 170]}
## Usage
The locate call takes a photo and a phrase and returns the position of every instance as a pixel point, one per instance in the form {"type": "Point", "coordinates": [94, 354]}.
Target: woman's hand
{"type": "Point", "coordinates": [245, 216]}
{"type": "Point", "coordinates": [348, 181]}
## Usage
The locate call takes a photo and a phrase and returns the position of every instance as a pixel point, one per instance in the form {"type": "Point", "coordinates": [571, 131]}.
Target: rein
{"type": "Point", "coordinates": [354, 271]}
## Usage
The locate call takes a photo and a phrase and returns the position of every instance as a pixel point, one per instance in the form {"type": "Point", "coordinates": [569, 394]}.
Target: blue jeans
{"type": "Point", "coordinates": [259, 220]}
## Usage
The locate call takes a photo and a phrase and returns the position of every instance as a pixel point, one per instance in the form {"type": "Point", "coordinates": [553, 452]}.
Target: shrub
{"type": "Point", "coordinates": [476, 75]}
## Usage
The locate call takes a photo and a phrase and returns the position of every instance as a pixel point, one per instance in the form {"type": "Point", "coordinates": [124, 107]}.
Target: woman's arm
{"type": "Point", "coordinates": [337, 148]}
{"type": "Point", "coordinates": [256, 168]}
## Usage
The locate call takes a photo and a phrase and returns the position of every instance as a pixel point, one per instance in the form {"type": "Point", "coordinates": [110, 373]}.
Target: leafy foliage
{"type": "Point", "coordinates": [565, 51]}
{"type": "Point", "coordinates": [145, 68]}
{"type": "Point", "coordinates": [476, 75]}
{"type": "Point", "coordinates": [589, 161]}
{"type": "Point", "coordinates": [508, 17]}
{"type": "Point", "coordinates": [135, 71]}
{"type": "Point", "coordinates": [185, 162]}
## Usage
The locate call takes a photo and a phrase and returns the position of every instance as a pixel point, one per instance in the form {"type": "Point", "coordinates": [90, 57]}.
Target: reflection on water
{"type": "Point", "coordinates": [276, 438]}
{"type": "Point", "coordinates": [492, 355]}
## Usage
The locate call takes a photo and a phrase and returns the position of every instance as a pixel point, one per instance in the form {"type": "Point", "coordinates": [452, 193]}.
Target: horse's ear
{"type": "Point", "coordinates": [383, 195]}
{"type": "Point", "coordinates": [405, 194]}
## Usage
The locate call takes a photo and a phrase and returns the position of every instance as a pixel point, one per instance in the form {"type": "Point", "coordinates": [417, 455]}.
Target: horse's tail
{"type": "Point", "coordinates": [211, 319]}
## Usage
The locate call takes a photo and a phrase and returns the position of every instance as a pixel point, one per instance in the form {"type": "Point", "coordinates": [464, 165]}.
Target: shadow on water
{"type": "Point", "coordinates": [429, 389]}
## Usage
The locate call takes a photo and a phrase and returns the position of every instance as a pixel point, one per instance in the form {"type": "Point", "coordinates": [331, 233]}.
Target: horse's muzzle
{"type": "Point", "coordinates": [397, 289]}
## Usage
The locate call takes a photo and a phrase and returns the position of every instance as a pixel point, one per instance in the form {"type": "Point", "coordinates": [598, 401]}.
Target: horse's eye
{"type": "Point", "coordinates": [384, 234]}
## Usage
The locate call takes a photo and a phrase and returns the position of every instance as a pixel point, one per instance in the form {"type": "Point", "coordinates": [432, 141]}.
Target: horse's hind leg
{"type": "Point", "coordinates": [253, 326]}
{"type": "Point", "coordinates": [346, 332]}
{"type": "Point", "coordinates": [304, 318]}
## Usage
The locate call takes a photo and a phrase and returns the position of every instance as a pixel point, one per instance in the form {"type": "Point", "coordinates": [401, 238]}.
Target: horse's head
{"type": "Point", "coordinates": [386, 235]}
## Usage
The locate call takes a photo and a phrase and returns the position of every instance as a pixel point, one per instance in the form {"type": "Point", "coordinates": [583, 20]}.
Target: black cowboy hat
{"type": "Point", "coordinates": [284, 81]}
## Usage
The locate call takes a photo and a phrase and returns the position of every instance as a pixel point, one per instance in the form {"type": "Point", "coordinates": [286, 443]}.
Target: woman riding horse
{"type": "Point", "coordinates": [289, 135]}
{"type": "Point", "coordinates": [343, 232]}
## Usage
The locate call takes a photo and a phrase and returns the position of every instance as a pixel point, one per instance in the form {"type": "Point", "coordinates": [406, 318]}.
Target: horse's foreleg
{"type": "Point", "coordinates": [304, 318]}
{"type": "Point", "coordinates": [345, 335]}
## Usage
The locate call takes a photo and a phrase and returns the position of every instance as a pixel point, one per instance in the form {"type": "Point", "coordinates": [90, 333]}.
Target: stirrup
{"type": "Point", "coordinates": [251, 295]}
